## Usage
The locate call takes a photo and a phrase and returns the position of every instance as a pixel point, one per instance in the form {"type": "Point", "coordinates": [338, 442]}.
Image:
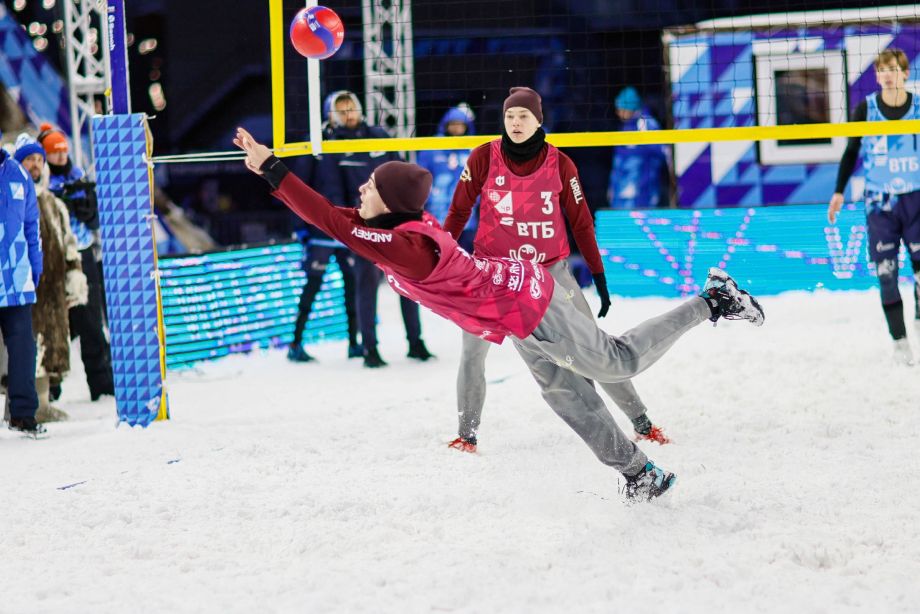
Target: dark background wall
{"type": "Point", "coordinates": [212, 60]}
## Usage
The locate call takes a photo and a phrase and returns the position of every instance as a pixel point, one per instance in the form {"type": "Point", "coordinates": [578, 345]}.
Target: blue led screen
{"type": "Point", "coordinates": [234, 301]}
{"type": "Point", "coordinates": [666, 252]}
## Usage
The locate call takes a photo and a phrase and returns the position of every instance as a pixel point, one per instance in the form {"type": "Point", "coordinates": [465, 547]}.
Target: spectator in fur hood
{"type": "Point", "coordinates": [86, 321]}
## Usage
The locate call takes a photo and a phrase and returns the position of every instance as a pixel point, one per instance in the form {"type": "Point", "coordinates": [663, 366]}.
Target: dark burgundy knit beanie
{"type": "Point", "coordinates": [527, 98]}
{"type": "Point", "coordinates": [404, 187]}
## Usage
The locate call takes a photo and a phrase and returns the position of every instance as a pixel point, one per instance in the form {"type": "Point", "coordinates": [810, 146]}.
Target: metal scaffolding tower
{"type": "Point", "coordinates": [88, 78]}
{"type": "Point", "coordinates": [389, 72]}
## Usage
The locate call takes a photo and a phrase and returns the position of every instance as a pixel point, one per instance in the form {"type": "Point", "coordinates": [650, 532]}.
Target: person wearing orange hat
{"type": "Point", "coordinates": [68, 182]}
{"type": "Point", "coordinates": [55, 144]}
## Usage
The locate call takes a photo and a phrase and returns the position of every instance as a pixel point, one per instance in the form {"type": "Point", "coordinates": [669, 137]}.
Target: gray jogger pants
{"type": "Point", "coordinates": [576, 343]}
{"type": "Point", "coordinates": [471, 378]}
{"type": "Point", "coordinates": [566, 348]}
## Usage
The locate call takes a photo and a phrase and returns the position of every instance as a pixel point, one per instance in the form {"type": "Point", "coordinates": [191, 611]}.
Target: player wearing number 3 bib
{"type": "Point", "coordinates": [528, 189]}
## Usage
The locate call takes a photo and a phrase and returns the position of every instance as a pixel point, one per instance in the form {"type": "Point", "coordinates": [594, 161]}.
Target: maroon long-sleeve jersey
{"type": "Point", "coordinates": [410, 254]}
{"type": "Point", "coordinates": [488, 297]}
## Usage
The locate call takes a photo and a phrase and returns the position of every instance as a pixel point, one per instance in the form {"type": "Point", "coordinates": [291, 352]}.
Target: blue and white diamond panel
{"type": "Point", "coordinates": [129, 265]}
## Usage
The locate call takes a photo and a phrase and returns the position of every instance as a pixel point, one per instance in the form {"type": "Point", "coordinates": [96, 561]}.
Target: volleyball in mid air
{"type": "Point", "coordinates": [317, 32]}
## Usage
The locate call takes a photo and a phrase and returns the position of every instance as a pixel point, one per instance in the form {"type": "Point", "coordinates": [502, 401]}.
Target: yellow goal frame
{"type": "Point", "coordinates": [568, 139]}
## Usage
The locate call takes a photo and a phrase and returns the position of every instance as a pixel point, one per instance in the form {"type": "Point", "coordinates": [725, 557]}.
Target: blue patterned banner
{"type": "Point", "coordinates": [29, 78]}
{"type": "Point", "coordinates": [123, 176]}
{"type": "Point", "coordinates": [715, 83]}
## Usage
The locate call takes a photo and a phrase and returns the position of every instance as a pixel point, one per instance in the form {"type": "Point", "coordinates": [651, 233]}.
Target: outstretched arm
{"type": "Point", "coordinates": [409, 254]}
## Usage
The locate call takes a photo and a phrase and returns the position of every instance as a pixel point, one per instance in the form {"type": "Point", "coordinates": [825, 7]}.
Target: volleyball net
{"type": "Point", "coordinates": [787, 78]}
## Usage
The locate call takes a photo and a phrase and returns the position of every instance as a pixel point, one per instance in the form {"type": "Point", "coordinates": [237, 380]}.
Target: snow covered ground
{"type": "Point", "coordinates": [329, 488]}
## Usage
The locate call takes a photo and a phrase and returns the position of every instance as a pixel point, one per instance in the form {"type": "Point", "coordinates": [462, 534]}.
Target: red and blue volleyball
{"type": "Point", "coordinates": [317, 32]}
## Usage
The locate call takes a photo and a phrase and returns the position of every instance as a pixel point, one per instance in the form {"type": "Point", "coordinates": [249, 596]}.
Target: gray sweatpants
{"type": "Point", "coordinates": [568, 347]}
{"type": "Point", "coordinates": [471, 378]}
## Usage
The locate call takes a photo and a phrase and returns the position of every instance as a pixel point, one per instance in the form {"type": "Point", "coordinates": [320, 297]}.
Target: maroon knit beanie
{"type": "Point", "coordinates": [527, 98]}
{"type": "Point", "coordinates": [404, 187]}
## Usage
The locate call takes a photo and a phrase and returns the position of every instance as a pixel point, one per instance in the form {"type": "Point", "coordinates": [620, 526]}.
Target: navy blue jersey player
{"type": "Point", "coordinates": [892, 192]}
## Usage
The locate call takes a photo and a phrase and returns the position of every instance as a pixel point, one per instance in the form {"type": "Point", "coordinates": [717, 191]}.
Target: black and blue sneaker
{"type": "Point", "coordinates": [649, 483]}
{"type": "Point", "coordinates": [296, 353]}
{"type": "Point", "coordinates": [355, 350]}
{"type": "Point", "coordinates": [727, 300]}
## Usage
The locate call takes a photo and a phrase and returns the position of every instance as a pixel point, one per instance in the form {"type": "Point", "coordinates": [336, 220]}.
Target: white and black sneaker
{"type": "Point", "coordinates": [649, 483]}
{"type": "Point", "coordinates": [728, 301]}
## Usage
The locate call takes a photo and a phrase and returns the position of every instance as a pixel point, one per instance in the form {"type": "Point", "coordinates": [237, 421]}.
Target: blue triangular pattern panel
{"type": "Point", "coordinates": [124, 204]}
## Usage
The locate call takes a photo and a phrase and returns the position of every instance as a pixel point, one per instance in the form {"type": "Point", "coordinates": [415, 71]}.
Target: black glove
{"type": "Point", "coordinates": [80, 198]}
{"type": "Point", "coordinates": [85, 210]}
{"type": "Point", "coordinates": [79, 185]}
{"type": "Point", "coordinates": [600, 283]}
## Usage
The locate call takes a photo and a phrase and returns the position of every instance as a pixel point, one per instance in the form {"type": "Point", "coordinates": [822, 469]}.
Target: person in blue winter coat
{"type": "Point", "coordinates": [636, 176]}
{"type": "Point", "coordinates": [446, 166]}
{"type": "Point", "coordinates": [20, 272]}
{"type": "Point", "coordinates": [342, 175]}
{"type": "Point", "coordinates": [68, 182]}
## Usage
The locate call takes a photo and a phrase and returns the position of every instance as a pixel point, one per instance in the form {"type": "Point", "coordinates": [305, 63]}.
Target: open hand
{"type": "Point", "coordinates": [256, 153]}
{"type": "Point", "coordinates": [834, 207]}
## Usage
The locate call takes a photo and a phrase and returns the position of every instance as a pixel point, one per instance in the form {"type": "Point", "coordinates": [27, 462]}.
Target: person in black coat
{"type": "Point", "coordinates": [342, 175]}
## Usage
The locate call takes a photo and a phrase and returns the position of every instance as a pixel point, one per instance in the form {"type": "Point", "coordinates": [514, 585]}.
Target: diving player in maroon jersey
{"type": "Point", "coordinates": [494, 298]}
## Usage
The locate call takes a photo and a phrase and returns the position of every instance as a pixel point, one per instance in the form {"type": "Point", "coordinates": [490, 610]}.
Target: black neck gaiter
{"type": "Point", "coordinates": [60, 169]}
{"type": "Point", "coordinates": [522, 152]}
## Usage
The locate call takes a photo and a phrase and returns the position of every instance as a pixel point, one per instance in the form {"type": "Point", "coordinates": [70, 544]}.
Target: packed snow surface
{"type": "Point", "coordinates": [327, 487]}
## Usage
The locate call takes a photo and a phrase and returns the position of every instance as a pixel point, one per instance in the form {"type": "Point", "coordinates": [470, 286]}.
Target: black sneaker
{"type": "Point", "coordinates": [728, 301]}
{"type": "Point", "coordinates": [97, 391]}
{"type": "Point", "coordinates": [649, 483]}
{"type": "Point", "coordinates": [296, 353]}
{"type": "Point", "coordinates": [54, 392]}
{"type": "Point", "coordinates": [355, 350]}
{"type": "Point", "coordinates": [27, 426]}
{"type": "Point", "coordinates": [372, 359]}
{"type": "Point", "coordinates": [418, 351]}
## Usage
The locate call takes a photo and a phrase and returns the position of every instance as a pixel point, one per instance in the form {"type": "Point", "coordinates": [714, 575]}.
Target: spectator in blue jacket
{"type": "Point", "coordinates": [342, 175]}
{"type": "Point", "coordinates": [20, 271]}
{"type": "Point", "coordinates": [637, 176]}
{"type": "Point", "coordinates": [446, 166]}
{"type": "Point", "coordinates": [68, 182]}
